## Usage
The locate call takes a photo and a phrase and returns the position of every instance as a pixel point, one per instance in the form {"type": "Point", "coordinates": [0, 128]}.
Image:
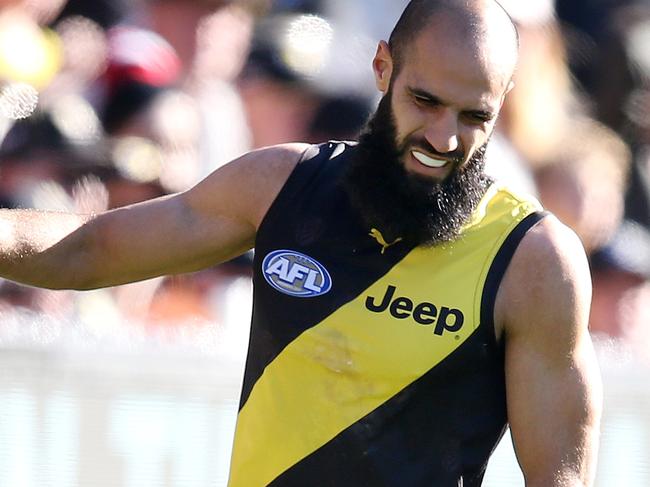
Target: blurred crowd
{"type": "Point", "coordinates": [105, 103]}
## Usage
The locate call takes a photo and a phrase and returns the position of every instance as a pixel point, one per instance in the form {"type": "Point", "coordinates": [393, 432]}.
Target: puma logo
{"type": "Point", "coordinates": [376, 234]}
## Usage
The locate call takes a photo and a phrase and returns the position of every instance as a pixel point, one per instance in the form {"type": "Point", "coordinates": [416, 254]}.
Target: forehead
{"type": "Point", "coordinates": [461, 71]}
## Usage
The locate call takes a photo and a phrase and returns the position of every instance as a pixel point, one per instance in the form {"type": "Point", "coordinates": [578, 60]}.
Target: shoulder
{"type": "Point", "coordinates": [274, 162]}
{"type": "Point", "coordinates": [547, 287]}
{"type": "Point", "coordinates": [245, 187]}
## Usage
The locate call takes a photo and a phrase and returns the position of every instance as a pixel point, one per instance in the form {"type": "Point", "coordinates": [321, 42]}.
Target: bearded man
{"type": "Point", "coordinates": [406, 309]}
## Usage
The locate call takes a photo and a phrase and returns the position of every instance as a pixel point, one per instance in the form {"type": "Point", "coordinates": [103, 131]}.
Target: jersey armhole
{"type": "Point", "coordinates": [498, 269]}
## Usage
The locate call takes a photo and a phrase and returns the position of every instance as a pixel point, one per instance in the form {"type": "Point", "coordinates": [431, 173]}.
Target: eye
{"type": "Point", "coordinates": [479, 118]}
{"type": "Point", "coordinates": [426, 101]}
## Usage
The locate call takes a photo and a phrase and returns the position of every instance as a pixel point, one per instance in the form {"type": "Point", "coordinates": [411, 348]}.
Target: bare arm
{"type": "Point", "coordinates": [213, 222]}
{"type": "Point", "coordinates": [553, 382]}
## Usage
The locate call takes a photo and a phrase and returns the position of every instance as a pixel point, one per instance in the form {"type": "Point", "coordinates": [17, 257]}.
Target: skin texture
{"type": "Point", "coordinates": [445, 87]}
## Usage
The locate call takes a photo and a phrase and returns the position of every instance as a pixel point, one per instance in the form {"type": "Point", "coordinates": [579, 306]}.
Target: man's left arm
{"type": "Point", "coordinates": [554, 390]}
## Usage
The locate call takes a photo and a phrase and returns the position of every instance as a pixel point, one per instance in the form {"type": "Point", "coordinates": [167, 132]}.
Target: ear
{"type": "Point", "coordinates": [382, 65]}
{"type": "Point", "coordinates": [511, 85]}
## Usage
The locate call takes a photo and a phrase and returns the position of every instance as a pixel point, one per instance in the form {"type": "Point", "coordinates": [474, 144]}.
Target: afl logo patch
{"type": "Point", "coordinates": [296, 274]}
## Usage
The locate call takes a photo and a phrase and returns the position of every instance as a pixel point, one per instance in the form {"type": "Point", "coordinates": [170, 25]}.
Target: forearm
{"type": "Point", "coordinates": [32, 250]}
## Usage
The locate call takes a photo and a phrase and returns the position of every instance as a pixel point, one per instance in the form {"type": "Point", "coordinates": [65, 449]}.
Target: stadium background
{"type": "Point", "coordinates": [104, 103]}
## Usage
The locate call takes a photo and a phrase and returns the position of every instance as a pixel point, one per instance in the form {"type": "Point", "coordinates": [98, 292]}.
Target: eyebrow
{"type": "Point", "coordinates": [431, 98]}
{"type": "Point", "coordinates": [420, 93]}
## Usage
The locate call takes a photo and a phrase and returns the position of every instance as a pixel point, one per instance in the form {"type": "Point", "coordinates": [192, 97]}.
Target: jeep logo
{"type": "Point", "coordinates": [446, 319]}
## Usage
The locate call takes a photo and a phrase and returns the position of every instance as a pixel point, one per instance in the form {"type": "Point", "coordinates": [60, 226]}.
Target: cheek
{"type": "Point", "coordinates": [473, 139]}
{"type": "Point", "coordinates": [408, 120]}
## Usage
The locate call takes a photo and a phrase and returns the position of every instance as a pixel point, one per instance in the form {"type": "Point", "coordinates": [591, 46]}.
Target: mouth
{"type": "Point", "coordinates": [429, 161]}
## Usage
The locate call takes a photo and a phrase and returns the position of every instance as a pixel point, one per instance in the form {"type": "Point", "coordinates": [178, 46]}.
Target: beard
{"type": "Point", "coordinates": [407, 206]}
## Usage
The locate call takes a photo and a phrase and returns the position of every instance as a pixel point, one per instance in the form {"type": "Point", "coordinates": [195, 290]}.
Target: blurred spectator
{"type": "Point", "coordinates": [638, 194]}
{"type": "Point", "coordinates": [298, 6]}
{"type": "Point", "coordinates": [539, 110]}
{"type": "Point", "coordinates": [224, 39]}
{"type": "Point", "coordinates": [583, 183]}
{"type": "Point", "coordinates": [177, 21]}
{"type": "Point", "coordinates": [621, 300]}
{"type": "Point", "coordinates": [609, 54]}
{"type": "Point", "coordinates": [140, 64]}
{"type": "Point", "coordinates": [338, 118]}
{"type": "Point", "coordinates": [85, 52]}
{"type": "Point", "coordinates": [106, 13]}
{"type": "Point", "coordinates": [278, 99]}
{"type": "Point", "coordinates": [287, 79]}
{"type": "Point", "coordinates": [636, 106]}
{"type": "Point", "coordinates": [596, 33]}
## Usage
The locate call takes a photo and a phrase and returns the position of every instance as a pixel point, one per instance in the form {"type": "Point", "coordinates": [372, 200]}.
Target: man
{"type": "Point", "coordinates": [406, 307]}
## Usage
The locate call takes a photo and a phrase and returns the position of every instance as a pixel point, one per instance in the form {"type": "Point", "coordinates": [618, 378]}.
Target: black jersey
{"type": "Point", "coordinates": [372, 363]}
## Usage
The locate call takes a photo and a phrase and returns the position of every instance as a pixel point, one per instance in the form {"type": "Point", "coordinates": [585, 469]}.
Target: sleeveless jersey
{"type": "Point", "coordinates": [372, 364]}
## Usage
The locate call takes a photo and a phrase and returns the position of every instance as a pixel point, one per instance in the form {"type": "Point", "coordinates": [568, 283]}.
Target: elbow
{"type": "Point", "coordinates": [78, 265]}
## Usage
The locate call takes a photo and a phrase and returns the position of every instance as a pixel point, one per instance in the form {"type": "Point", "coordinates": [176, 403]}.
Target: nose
{"type": "Point", "coordinates": [442, 131]}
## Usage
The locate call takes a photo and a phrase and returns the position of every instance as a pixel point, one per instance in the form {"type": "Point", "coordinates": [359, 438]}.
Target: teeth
{"type": "Point", "coordinates": [428, 161]}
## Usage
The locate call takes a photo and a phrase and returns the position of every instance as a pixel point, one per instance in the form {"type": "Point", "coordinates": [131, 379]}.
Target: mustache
{"type": "Point", "coordinates": [457, 156]}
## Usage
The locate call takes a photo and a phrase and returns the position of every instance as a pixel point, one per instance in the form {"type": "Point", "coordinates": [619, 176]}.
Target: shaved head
{"type": "Point", "coordinates": [480, 25]}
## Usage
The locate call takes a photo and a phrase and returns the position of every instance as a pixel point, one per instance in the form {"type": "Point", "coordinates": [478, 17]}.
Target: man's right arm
{"type": "Point", "coordinates": [211, 223]}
